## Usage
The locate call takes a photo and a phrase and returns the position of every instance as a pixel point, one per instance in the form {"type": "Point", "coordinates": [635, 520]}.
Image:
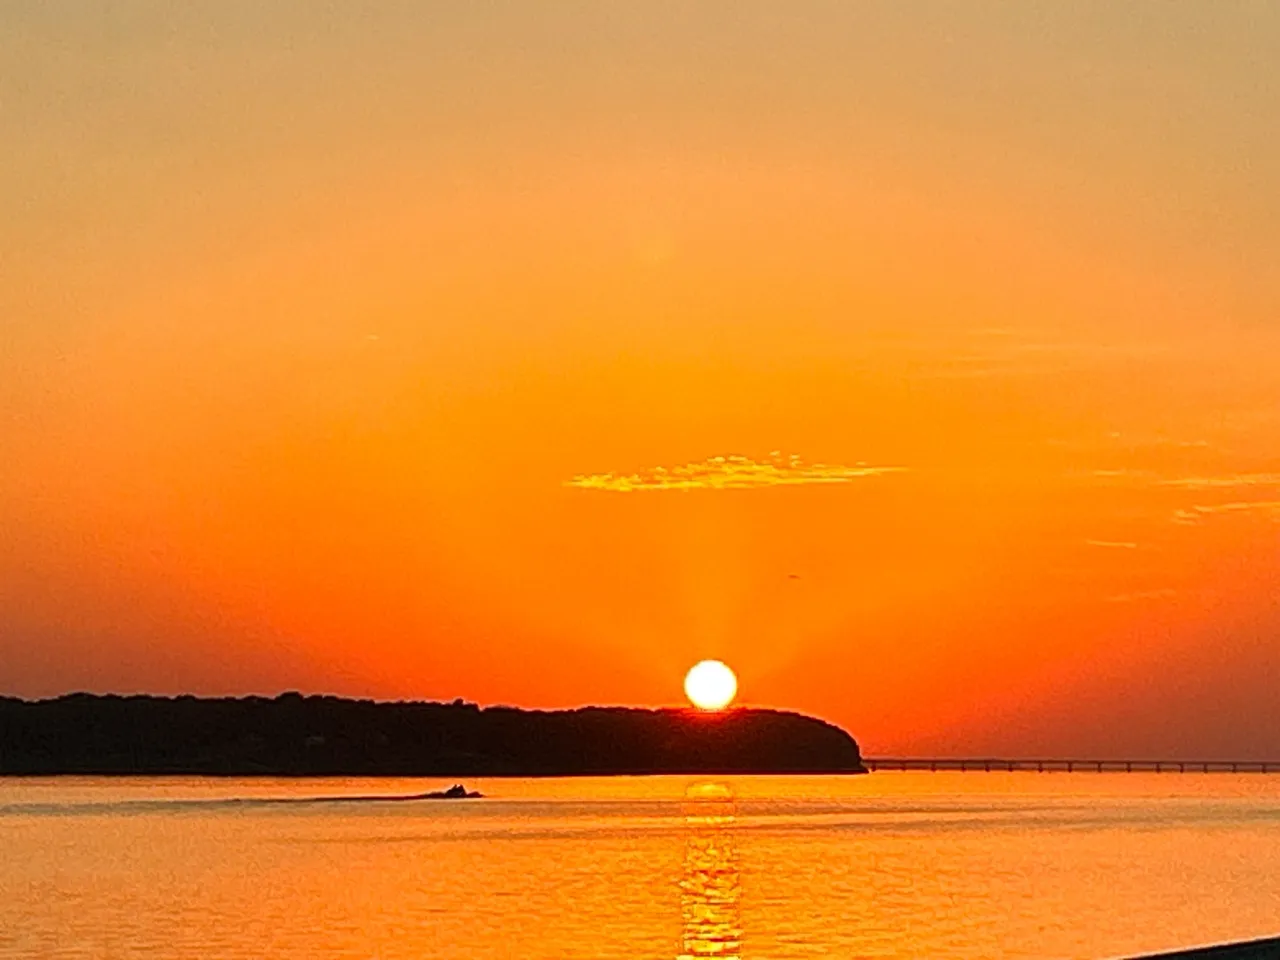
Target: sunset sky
{"type": "Point", "coordinates": [920, 360]}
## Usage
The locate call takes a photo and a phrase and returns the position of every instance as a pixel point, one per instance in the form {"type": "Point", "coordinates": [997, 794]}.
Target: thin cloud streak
{"type": "Point", "coordinates": [1225, 482]}
{"type": "Point", "coordinates": [730, 473]}
{"type": "Point", "coordinates": [1194, 515]}
{"type": "Point", "coordinates": [1164, 593]}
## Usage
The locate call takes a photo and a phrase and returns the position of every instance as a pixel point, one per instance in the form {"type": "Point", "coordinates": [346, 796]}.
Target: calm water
{"type": "Point", "coordinates": [889, 865]}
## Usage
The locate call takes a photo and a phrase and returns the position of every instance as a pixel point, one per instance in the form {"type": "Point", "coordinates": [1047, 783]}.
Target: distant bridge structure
{"type": "Point", "coordinates": [1058, 765]}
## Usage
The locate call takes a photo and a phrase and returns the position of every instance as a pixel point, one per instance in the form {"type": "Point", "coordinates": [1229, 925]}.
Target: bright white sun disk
{"type": "Point", "coordinates": [710, 685]}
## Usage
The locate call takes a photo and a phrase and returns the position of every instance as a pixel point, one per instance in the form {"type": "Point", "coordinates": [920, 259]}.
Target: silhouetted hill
{"type": "Point", "coordinates": [294, 735]}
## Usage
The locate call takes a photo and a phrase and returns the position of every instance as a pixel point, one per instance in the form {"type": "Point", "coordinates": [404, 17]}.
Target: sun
{"type": "Point", "coordinates": [710, 685]}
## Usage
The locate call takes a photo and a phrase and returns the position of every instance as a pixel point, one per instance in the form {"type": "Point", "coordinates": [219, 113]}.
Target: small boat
{"type": "Point", "coordinates": [456, 792]}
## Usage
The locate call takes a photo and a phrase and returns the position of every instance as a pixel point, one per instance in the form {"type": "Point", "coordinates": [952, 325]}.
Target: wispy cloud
{"type": "Point", "coordinates": [1225, 482]}
{"type": "Point", "coordinates": [1113, 544]}
{"type": "Point", "coordinates": [1013, 352]}
{"type": "Point", "coordinates": [730, 473]}
{"type": "Point", "coordinates": [1195, 514]}
{"type": "Point", "coordinates": [1164, 593]}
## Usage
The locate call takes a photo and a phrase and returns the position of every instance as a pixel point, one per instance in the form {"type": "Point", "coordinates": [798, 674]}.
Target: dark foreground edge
{"type": "Point", "coordinates": [293, 735]}
{"type": "Point", "coordinates": [1253, 950]}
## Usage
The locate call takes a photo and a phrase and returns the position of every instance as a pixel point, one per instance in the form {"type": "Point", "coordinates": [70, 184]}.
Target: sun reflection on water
{"type": "Point", "coordinates": [710, 887]}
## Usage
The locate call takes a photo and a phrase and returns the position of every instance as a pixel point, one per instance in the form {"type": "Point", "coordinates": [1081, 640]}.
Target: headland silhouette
{"type": "Point", "coordinates": [295, 735]}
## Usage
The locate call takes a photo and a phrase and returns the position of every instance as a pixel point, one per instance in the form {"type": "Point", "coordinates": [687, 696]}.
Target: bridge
{"type": "Point", "coordinates": [1059, 765]}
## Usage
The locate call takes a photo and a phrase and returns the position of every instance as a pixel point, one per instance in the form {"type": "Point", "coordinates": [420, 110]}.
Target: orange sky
{"type": "Point", "coordinates": [312, 318]}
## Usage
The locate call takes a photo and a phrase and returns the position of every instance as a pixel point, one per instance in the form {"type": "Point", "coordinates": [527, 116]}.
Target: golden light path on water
{"type": "Point", "coordinates": [711, 885]}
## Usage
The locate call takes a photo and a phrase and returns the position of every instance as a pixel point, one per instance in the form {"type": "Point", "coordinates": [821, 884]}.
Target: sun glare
{"type": "Point", "coordinates": [710, 685]}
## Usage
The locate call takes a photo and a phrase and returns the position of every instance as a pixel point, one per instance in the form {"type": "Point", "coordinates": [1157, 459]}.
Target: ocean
{"type": "Point", "coordinates": [963, 866]}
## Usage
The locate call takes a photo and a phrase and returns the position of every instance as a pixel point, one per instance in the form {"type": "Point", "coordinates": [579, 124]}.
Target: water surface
{"type": "Point", "coordinates": [947, 865]}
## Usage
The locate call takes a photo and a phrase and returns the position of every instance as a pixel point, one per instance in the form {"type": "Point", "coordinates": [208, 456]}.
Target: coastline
{"type": "Point", "coordinates": [324, 736]}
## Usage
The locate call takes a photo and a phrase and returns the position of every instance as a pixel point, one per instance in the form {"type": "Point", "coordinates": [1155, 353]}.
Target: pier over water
{"type": "Point", "coordinates": [1059, 765]}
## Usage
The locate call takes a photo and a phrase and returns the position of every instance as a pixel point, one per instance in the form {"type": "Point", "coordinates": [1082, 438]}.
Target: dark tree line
{"type": "Point", "coordinates": [295, 735]}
